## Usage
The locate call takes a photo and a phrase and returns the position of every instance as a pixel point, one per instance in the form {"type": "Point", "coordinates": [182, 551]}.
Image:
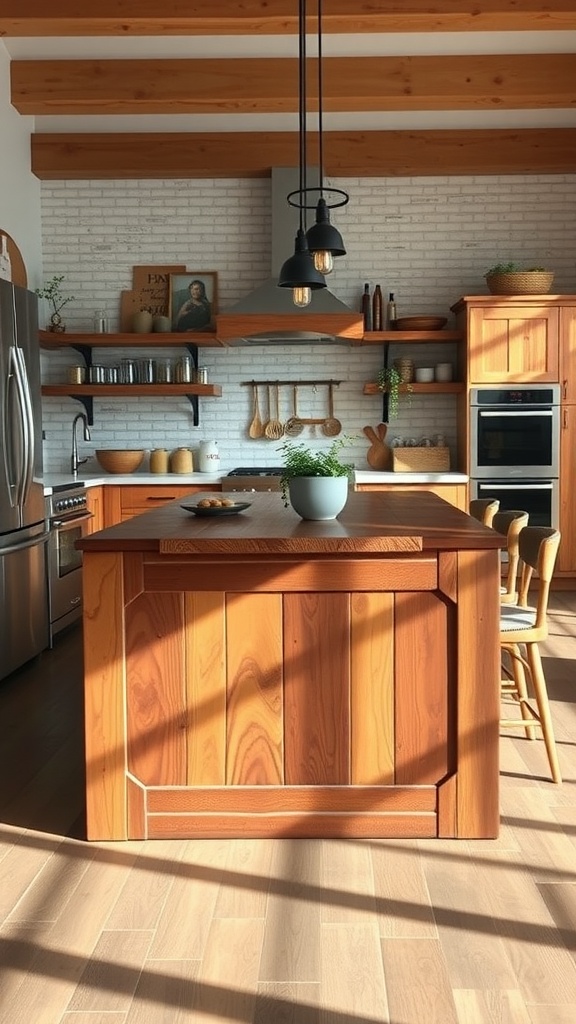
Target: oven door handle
{"type": "Point", "coordinates": [517, 412]}
{"type": "Point", "coordinates": [61, 524]}
{"type": "Point", "coordinates": [515, 487]}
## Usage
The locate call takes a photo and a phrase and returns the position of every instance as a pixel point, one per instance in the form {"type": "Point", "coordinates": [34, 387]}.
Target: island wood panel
{"type": "Point", "coordinates": [206, 694]}
{"type": "Point", "coordinates": [254, 729]}
{"type": "Point", "coordinates": [372, 689]}
{"type": "Point", "coordinates": [421, 686]}
{"type": "Point", "coordinates": [156, 726]}
{"type": "Point", "coordinates": [292, 799]}
{"type": "Point", "coordinates": [137, 825]}
{"type": "Point", "coordinates": [122, 155]}
{"type": "Point", "coordinates": [402, 825]}
{"type": "Point", "coordinates": [317, 688]}
{"type": "Point", "coordinates": [260, 575]}
{"type": "Point", "coordinates": [478, 703]}
{"type": "Point", "coordinates": [229, 17]}
{"type": "Point", "coordinates": [104, 698]}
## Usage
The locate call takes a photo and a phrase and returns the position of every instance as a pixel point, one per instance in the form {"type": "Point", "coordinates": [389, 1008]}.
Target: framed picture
{"type": "Point", "coordinates": [192, 300]}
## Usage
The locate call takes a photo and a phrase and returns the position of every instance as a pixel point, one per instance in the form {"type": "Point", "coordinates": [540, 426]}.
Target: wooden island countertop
{"type": "Point", "coordinates": [261, 675]}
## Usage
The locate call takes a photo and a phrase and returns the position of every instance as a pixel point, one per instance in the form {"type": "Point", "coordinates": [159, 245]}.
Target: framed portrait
{"type": "Point", "coordinates": [192, 300]}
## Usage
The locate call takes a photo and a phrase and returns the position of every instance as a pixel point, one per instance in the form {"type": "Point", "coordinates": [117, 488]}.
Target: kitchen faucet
{"type": "Point", "coordinates": [75, 461]}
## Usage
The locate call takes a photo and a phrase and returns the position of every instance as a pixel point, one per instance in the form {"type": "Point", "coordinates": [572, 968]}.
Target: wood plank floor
{"type": "Point", "coordinates": [314, 932]}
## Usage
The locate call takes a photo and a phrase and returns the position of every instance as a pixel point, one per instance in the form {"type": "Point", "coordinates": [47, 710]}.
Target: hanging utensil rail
{"type": "Point", "coordinates": [291, 383]}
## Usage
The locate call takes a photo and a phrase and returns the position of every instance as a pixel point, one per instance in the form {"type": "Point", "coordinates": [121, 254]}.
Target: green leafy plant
{"type": "Point", "coordinates": [390, 382]}
{"type": "Point", "coordinates": [513, 268]}
{"type": "Point", "coordinates": [299, 460]}
{"type": "Point", "coordinates": [54, 295]}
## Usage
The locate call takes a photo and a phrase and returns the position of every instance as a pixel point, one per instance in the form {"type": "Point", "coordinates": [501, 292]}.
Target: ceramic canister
{"type": "Point", "coordinates": [181, 461]}
{"type": "Point", "coordinates": [142, 322]}
{"type": "Point", "coordinates": [159, 460]}
{"type": "Point", "coordinates": [209, 459]}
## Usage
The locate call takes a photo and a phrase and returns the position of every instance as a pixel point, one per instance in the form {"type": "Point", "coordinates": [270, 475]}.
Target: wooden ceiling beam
{"type": "Point", "coordinates": [252, 154]}
{"type": "Point", "coordinates": [235, 17]}
{"type": "Point", "coordinates": [263, 85]}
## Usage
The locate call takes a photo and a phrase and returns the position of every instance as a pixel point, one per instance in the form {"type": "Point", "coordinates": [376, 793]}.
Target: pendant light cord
{"type": "Point", "coordinates": [320, 127]}
{"type": "Point", "coordinates": [302, 105]}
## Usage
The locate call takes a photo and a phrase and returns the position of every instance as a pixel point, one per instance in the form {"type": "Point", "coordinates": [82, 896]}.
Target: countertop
{"type": "Point", "coordinates": [361, 476]}
{"type": "Point", "coordinates": [405, 522]}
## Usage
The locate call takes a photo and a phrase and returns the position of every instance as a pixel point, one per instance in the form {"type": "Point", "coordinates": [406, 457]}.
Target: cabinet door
{"type": "Point", "coordinates": [567, 552]}
{"type": "Point", "coordinates": [453, 493]}
{"type": "Point", "coordinates": [96, 507]}
{"type": "Point", "coordinates": [568, 353]}
{"type": "Point", "coordinates": [138, 499]}
{"type": "Point", "coordinates": [513, 343]}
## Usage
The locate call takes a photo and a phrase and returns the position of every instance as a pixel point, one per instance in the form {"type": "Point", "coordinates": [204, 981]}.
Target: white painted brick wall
{"type": "Point", "coordinates": [429, 240]}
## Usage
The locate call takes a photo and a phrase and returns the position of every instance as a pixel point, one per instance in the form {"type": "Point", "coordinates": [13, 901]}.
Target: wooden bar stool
{"type": "Point", "coordinates": [521, 630]}
{"type": "Point", "coordinates": [484, 509]}
{"type": "Point", "coordinates": [509, 524]}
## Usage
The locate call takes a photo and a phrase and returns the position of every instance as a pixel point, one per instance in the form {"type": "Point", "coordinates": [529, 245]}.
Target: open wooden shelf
{"type": "Point", "coordinates": [413, 337]}
{"type": "Point", "coordinates": [72, 339]}
{"type": "Point", "coordinates": [118, 390]}
{"type": "Point", "coordinates": [452, 388]}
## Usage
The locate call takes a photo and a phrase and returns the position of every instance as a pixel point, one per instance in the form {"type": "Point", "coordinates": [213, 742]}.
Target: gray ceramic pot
{"type": "Point", "coordinates": [318, 497]}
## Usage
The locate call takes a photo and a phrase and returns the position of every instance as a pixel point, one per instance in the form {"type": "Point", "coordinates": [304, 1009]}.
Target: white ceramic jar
{"type": "Point", "coordinates": [443, 372]}
{"type": "Point", "coordinates": [209, 457]}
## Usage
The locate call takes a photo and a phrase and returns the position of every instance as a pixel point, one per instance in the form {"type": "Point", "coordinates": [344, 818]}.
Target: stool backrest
{"type": "Point", "coordinates": [484, 509]}
{"type": "Point", "coordinates": [538, 550]}
{"type": "Point", "coordinates": [509, 524]}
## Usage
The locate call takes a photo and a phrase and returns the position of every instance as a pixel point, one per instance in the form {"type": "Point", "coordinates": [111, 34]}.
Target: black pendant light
{"type": "Point", "coordinates": [299, 272]}
{"type": "Point", "coordinates": [324, 240]}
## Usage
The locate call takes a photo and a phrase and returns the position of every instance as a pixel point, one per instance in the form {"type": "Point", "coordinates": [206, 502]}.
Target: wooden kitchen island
{"type": "Point", "coordinates": [258, 675]}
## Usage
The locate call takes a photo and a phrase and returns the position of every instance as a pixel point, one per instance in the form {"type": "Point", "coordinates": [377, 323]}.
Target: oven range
{"type": "Point", "coordinates": [68, 520]}
{"type": "Point", "coordinates": [253, 478]}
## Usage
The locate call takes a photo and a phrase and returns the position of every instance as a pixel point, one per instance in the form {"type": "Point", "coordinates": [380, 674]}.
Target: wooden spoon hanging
{"type": "Point", "coordinates": [331, 425]}
{"type": "Point", "coordinates": [294, 426]}
{"type": "Point", "coordinates": [274, 428]}
{"type": "Point", "coordinates": [256, 428]}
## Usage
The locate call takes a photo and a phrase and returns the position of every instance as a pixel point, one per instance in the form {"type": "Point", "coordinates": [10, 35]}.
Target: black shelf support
{"type": "Point", "coordinates": [193, 350]}
{"type": "Point", "coordinates": [88, 402]}
{"type": "Point", "coordinates": [193, 399]}
{"type": "Point", "coordinates": [85, 351]}
{"type": "Point", "coordinates": [385, 402]}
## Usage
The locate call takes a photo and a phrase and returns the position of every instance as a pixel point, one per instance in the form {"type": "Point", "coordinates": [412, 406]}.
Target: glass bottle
{"type": "Point", "coordinates": [377, 309]}
{"type": "Point", "coordinates": [391, 313]}
{"type": "Point", "coordinates": [367, 308]}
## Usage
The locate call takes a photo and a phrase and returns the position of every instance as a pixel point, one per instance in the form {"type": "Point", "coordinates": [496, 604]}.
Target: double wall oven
{"type": "Point", "coordinates": [68, 520]}
{"type": "Point", "coordinates": [515, 448]}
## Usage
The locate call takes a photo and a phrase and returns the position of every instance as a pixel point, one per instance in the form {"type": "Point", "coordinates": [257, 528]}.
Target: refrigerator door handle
{"type": "Point", "coordinates": [14, 382]}
{"type": "Point", "coordinates": [41, 539]}
{"type": "Point", "coordinates": [28, 422]}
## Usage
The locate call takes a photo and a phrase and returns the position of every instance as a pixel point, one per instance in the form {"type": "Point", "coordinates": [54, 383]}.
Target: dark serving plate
{"type": "Point", "coordinates": [217, 510]}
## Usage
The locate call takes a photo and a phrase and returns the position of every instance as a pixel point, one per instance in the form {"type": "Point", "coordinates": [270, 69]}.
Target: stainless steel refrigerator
{"type": "Point", "coordinates": [23, 534]}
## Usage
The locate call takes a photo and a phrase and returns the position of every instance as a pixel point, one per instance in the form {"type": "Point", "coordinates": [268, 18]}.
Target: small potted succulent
{"type": "Point", "coordinates": [512, 279]}
{"type": "Point", "coordinates": [315, 483]}
{"type": "Point", "coordinates": [56, 300]}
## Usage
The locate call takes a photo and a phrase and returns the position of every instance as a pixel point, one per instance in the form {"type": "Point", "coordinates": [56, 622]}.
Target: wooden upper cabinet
{"type": "Point", "coordinates": [513, 343]}
{"type": "Point", "coordinates": [568, 354]}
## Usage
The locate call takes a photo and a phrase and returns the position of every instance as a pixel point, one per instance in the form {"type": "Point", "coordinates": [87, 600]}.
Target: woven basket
{"type": "Point", "coordinates": [420, 460]}
{"type": "Point", "coordinates": [521, 282]}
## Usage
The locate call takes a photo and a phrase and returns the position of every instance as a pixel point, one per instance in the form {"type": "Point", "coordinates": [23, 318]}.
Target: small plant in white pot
{"type": "Point", "coordinates": [315, 483]}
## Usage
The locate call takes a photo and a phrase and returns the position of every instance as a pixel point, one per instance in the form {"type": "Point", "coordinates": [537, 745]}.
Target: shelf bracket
{"type": "Point", "coordinates": [88, 402]}
{"type": "Point", "coordinates": [385, 403]}
{"type": "Point", "coordinates": [193, 399]}
{"type": "Point", "coordinates": [193, 350]}
{"type": "Point", "coordinates": [85, 351]}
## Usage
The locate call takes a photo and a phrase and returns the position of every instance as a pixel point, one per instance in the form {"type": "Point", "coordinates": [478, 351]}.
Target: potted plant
{"type": "Point", "coordinates": [315, 483]}
{"type": "Point", "coordinates": [512, 279]}
{"type": "Point", "coordinates": [53, 294]}
{"type": "Point", "coordinates": [390, 381]}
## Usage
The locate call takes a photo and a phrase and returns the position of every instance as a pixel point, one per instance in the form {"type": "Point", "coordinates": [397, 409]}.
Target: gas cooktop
{"type": "Point", "coordinates": [256, 471]}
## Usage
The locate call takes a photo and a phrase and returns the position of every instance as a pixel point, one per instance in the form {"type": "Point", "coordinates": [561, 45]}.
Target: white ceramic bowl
{"type": "Point", "coordinates": [424, 374]}
{"type": "Point", "coordinates": [443, 371]}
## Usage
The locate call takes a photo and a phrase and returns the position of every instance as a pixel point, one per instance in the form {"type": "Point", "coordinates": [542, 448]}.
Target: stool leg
{"type": "Point", "coordinates": [541, 693]}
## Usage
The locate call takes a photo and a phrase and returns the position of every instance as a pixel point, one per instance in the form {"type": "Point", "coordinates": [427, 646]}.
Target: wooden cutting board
{"type": "Point", "coordinates": [379, 455]}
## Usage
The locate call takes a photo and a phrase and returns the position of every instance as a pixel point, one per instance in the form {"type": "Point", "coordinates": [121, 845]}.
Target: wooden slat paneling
{"type": "Point", "coordinates": [262, 85]}
{"type": "Point", "coordinates": [293, 799]}
{"type": "Point", "coordinates": [421, 673]}
{"type": "Point", "coordinates": [65, 156]}
{"type": "Point", "coordinates": [104, 698]}
{"type": "Point", "coordinates": [372, 689]}
{"type": "Point", "coordinates": [205, 633]}
{"type": "Point", "coordinates": [404, 825]}
{"type": "Point", "coordinates": [232, 17]}
{"type": "Point", "coordinates": [254, 681]}
{"type": "Point", "coordinates": [136, 801]}
{"type": "Point", "coordinates": [317, 689]}
{"type": "Point", "coordinates": [155, 708]}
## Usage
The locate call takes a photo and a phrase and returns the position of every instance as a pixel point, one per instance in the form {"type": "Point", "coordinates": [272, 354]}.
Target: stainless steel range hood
{"type": "Point", "coordinates": [267, 315]}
